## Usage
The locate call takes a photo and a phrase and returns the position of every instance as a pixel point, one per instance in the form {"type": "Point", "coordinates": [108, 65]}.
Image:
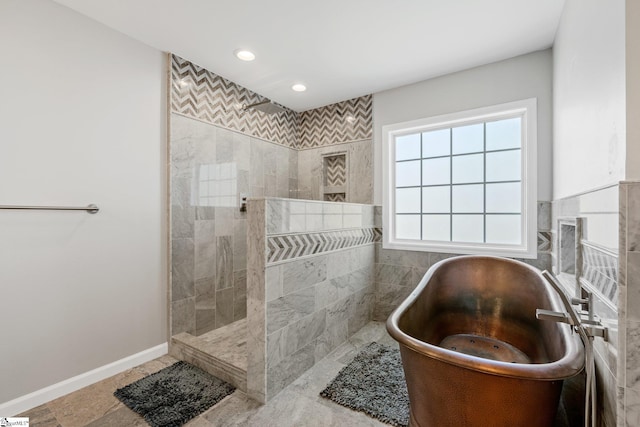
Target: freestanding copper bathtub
{"type": "Point", "coordinates": [474, 353]}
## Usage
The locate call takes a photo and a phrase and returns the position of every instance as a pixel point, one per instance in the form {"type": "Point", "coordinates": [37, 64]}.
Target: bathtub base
{"type": "Point", "coordinates": [456, 397]}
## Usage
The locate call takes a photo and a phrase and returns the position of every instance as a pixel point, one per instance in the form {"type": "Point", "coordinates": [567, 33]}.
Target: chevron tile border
{"type": "Point", "coordinates": [544, 241]}
{"type": "Point", "coordinates": [600, 269]}
{"type": "Point", "coordinates": [345, 121]}
{"type": "Point", "coordinates": [286, 247]}
{"type": "Point", "coordinates": [198, 93]}
{"type": "Point", "coordinates": [203, 95]}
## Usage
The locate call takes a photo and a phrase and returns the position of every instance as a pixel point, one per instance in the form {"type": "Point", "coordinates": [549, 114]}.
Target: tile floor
{"type": "Point", "coordinates": [297, 405]}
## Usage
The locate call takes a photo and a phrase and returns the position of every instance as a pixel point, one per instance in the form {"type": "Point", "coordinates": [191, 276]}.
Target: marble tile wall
{"type": "Point", "coordinates": [628, 390]}
{"type": "Point", "coordinates": [597, 270]}
{"type": "Point", "coordinates": [359, 182]}
{"type": "Point", "coordinates": [210, 168]}
{"type": "Point", "coordinates": [398, 272]}
{"type": "Point", "coordinates": [314, 300]}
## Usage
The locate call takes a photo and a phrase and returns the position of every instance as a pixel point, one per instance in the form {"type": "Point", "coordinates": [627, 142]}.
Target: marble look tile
{"type": "Point", "coordinates": [632, 407]}
{"type": "Point", "coordinates": [183, 316]}
{"type": "Point", "coordinates": [182, 269]}
{"type": "Point", "coordinates": [182, 222]}
{"type": "Point", "coordinates": [206, 292]}
{"type": "Point", "coordinates": [544, 216]}
{"type": "Point", "coordinates": [341, 262]}
{"type": "Point", "coordinates": [388, 298]}
{"type": "Point", "coordinates": [289, 369]}
{"type": "Point", "coordinates": [633, 217]}
{"type": "Point", "coordinates": [224, 307]}
{"type": "Point", "coordinates": [235, 410]}
{"type": "Point", "coordinates": [277, 216]}
{"type": "Point", "coordinates": [303, 273]}
{"type": "Point", "coordinates": [352, 221]}
{"type": "Point", "coordinates": [180, 194]}
{"type": "Point", "coordinates": [239, 295]}
{"type": "Point", "coordinates": [333, 336]}
{"type": "Point", "coordinates": [314, 222]}
{"type": "Point", "coordinates": [224, 145]}
{"type": "Point", "coordinates": [224, 220]}
{"type": "Point", "coordinates": [205, 249]}
{"type": "Point", "coordinates": [633, 355]}
{"type": "Point", "coordinates": [270, 159]}
{"type": "Point", "coordinates": [621, 408]}
{"type": "Point", "coordinates": [326, 293]}
{"type": "Point", "coordinates": [377, 216]}
{"type": "Point", "coordinates": [367, 217]}
{"type": "Point", "coordinates": [239, 244]}
{"type": "Point", "coordinates": [633, 287]}
{"type": "Point", "coordinates": [394, 275]}
{"type": "Point", "coordinates": [293, 164]}
{"type": "Point", "coordinates": [543, 262]}
{"type": "Point", "coordinates": [331, 222]}
{"type": "Point", "coordinates": [607, 391]}
{"type": "Point", "coordinates": [224, 262]}
{"type": "Point", "coordinates": [360, 172]}
{"type": "Point", "coordinates": [289, 308]}
{"type": "Point", "coordinates": [622, 220]}
{"type": "Point", "coordinates": [205, 320]}
{"type": "Point", "coordinates": [293, 189]}
{"type": "Point", "coordinates": [330, 208]}
{"type": "Point", "coordinates": [257, 163]}
{"type": "Point", "coordinates": [242, 151]}
{"type": "Point", "coordinates": [304, 331]}
{"type": "Point", "coordinates": [273, 282]}
{"type": "Point", "coordinates": [341, 310]}
{"type": "Point", "coordinates": [256, 302]}
{"type": "Point", "coordinates": [270, 186]}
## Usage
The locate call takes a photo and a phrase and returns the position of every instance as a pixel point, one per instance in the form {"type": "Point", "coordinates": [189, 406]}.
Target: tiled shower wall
{"type": "Point", "coordinates": [311, 270]}
{"type": "Point", "coordinates": [219, 152]}
{"type": "Point", "coordinates": [596, 269]}
{"type": "Point", "coordinates": [210, 168]}
{"type": "Point", "coordinates": [398, 272]}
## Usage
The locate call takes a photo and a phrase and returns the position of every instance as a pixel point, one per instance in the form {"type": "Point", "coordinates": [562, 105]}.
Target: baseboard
{"type": "Point", "coordinates": [31, 400]}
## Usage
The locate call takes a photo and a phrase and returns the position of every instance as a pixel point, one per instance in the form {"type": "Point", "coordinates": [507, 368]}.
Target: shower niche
{"type": "Point", "coordinates": [334, 177]}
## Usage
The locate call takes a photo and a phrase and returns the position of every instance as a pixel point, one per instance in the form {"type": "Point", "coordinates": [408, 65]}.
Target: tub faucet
{"type": "Point", "coordinates": [554, 316]}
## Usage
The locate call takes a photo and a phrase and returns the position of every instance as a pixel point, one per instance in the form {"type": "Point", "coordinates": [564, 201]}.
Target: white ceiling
{"type": "Point", "coordinates": [340, 49]}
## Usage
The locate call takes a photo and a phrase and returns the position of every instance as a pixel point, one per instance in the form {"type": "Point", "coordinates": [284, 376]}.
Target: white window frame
{"type": "Point", "coordinates": [527, 110]}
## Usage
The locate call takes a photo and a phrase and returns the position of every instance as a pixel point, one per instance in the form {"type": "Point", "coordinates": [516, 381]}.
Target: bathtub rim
{"type": "Point", "coordinates": [569, 365]}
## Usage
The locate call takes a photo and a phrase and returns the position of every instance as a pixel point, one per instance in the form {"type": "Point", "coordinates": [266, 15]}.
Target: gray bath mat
{"type": "Point", "coordinates": [174, 395]}
{"type": "Point", "coordinates": [373, 383]}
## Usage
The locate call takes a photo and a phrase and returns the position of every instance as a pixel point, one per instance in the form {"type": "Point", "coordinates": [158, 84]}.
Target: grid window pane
{"type": "Point", "coordinates": [436, 171]}
{"type": "Point", "coordinates": [504, 134]}
{"type": "Point", "coordinates": [468, 228]}
{"type": "Point", "coordinates": [408, 227]}
{"type": "Point", "coordinates": [408, 174]}
{"type": "Point", "coordinates": [503, 166]}
{"type": "Point", "coordinates": [468, 198]}
{"type": "Point", "coordinates": [408, 200]}
{"type": "Point", "coordinates": [468, 139]}
{"type": "Point", "coordinates": [468, 169]}
{"type": "Point", "coordinates": [503, 198]}
{"type": "Point", "coordinates": [436, 143]}
{"type": "Point", "coordinates": [504, 229]}
{"type": "Point", "coordinates": [436, 227]}
{"type": "Point", "coordinates": [436, 199]}
{"type": "Point", "coordinates": [408, 147]}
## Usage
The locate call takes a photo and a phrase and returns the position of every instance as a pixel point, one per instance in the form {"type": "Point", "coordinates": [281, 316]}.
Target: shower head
{"type": "Point", "coordinates": [265, 106]}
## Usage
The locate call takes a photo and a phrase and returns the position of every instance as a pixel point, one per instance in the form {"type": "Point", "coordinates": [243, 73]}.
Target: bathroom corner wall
{"type": "Point", "coordinates": [217, 153]}
{"type": "Point", "coordinates": [628, 374]}
{"type": "Point", "coordinates": [398, 272]}
{"type": "Point", "coordinates": [311, 285]}
{"type": "Point", "coordinates": [342, 128]}
{"type": "Point", "coordinates": [597, 271]}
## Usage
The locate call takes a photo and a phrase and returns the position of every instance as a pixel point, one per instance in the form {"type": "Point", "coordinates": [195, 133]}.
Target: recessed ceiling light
{"type": "Point", "coordinates": [244, 55]}
{"type": "Point", "coordinates": [299, 87]}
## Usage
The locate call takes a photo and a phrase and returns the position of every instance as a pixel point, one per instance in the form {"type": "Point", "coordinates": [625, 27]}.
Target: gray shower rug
{"type": "Point", "coordinates": [373, 383]}
{"type": "Point", "coordinates": [174, 395]}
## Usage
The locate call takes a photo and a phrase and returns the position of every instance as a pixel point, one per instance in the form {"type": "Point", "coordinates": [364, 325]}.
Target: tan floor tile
{"type": "Point", "coordinates": [93, 402]}
{"type": "Point", "coordinates": [40, 416]}
{"type": "Point", "coordinates": [122, 417]}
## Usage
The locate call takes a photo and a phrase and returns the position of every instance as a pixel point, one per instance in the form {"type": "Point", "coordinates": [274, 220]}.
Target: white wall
{"type": "Point", "coordinates": [522, 77]}
{"type": "Point", "coordinates": [82, 120]}
{"type": "Point", "coordinates": [633, 89]}
{"type": "Point", "coordinates": [589, 97]}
